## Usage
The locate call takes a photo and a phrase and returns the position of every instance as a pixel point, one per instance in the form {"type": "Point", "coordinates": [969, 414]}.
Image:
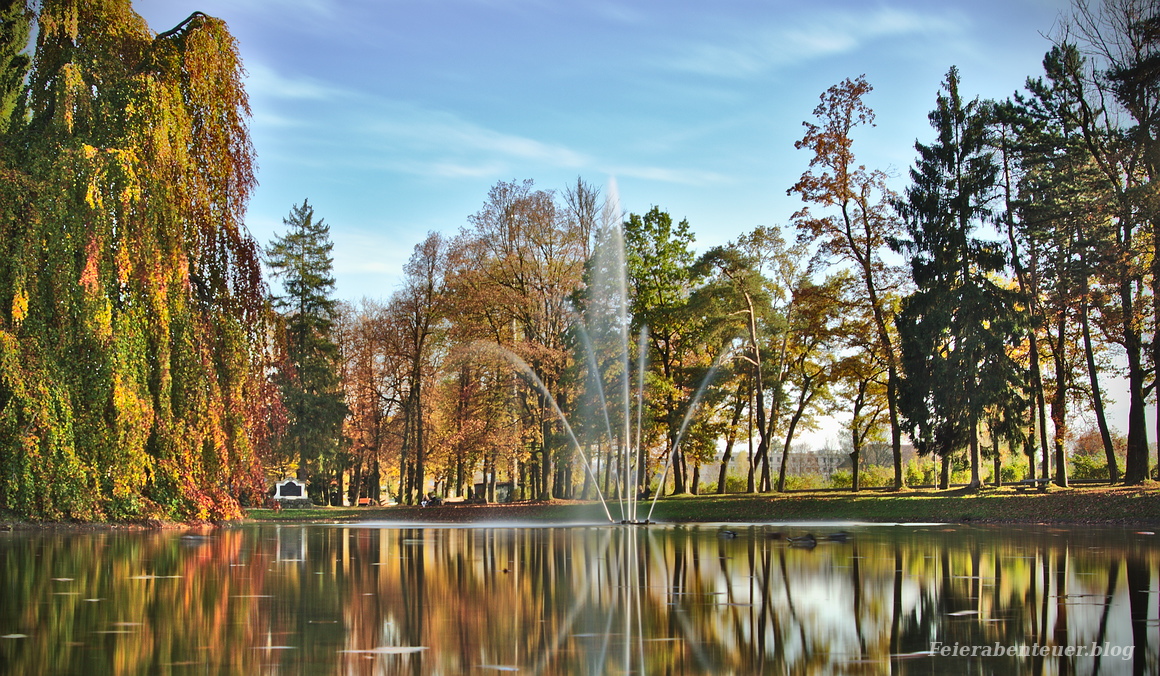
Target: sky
{"type": "Point", "coordinates": [395, 117]}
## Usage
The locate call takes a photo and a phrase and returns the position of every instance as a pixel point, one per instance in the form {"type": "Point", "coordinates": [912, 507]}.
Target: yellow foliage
{"type": "Point", "coordinates": [20, 306]}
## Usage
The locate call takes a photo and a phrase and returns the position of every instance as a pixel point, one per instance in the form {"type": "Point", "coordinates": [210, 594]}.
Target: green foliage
{"type": "Point", "coordinates": [956, 328]}
{"type": "Point", "coordinates": [1088, 467]}
{"type": "Point", "coordinates": [921, 472]}
{"type": "Point", "coordinates": [132, 308]}
{"type": "Point", "coordinates": [659, 260]}
{"type": "Point", "coordinates": [14, 30]}
{"type": "Point", "coordinates": [874, 476]}
{"type": "Point", "coordinates": [309, 376]}
{"type": "Point", "coordinates": [1012, 473]}
{"type": "Point", "coordinates": [804, 483]}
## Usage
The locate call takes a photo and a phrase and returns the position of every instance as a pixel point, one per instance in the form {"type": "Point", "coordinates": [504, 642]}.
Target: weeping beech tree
{"type": "Point", "coordinates": [132, 308]}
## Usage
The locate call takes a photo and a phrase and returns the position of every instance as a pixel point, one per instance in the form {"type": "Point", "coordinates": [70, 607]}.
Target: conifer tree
{"type": "Point", "coordinates": [310, 381]}
{"type": "Point", "coordinates": [955, 329]}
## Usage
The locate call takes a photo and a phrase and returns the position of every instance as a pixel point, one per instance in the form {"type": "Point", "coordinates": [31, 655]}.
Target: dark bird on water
{"type": "Point", "coordinates": [807, 540]}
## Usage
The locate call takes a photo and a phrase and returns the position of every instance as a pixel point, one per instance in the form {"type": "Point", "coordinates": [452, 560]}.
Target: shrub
{"type": "Point", "coordinates": [802, 483]}
{"type": "Point", "coordinates": [921, 472]}
{"type": "Point", "coordinates": [736, 484]}
{"type": "Point", "coordinates": [1011, 473]}
{"type": "Point", "coordinates": [876, 476]}
{"type": "Point", "coordinates": [1088, 467]}
{"type": "Point", "coordinates": [841, 479]}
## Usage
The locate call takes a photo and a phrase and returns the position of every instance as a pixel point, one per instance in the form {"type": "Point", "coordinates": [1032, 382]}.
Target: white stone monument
{"type": "Point", "coordinates": [292, 493]}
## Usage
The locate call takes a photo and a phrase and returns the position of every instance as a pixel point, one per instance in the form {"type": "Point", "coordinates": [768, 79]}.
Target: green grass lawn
{"type": "Point", "coordinates": [1088, 504]}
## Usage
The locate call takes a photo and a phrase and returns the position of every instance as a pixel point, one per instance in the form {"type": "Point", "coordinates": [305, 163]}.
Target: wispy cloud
{"type": "Point", "coordinates": [265, 81]}
{"type": "Point", "coordinates": [459, 147]}
{"type": "Point", "coordinates": [751, 52]}
{"type": "Point", "coordinates": [664, 175]}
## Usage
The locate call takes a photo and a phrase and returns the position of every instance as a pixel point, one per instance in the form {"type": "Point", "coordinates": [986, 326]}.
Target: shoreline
{"type": "Point", "coordinates": [1105, 506]}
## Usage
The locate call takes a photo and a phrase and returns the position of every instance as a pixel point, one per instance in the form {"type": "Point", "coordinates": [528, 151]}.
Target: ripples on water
{"type": "Point", "coordinates": [326, 599]}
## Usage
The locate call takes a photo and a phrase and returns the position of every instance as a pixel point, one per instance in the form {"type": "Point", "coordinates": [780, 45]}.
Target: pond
{"type": "Point", "coordinates": [696, 599]}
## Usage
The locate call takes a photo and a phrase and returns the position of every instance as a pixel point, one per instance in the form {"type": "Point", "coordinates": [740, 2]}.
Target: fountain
{"type": "Point", "coordinates": [607, 325]}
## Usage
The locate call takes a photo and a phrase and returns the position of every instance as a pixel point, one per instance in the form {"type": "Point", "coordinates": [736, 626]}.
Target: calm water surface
{"type": "Point", "coordinates": [385, 599]}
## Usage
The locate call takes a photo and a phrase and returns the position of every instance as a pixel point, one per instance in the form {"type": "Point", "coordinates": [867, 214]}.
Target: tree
{"type": "Point", "coordinates": [418, 307]}
{"type": "Point", "coordinates": [1118, 102]}
{"type": "Point", "coordinates": [14, 29]}
{"type": "Point", "coordinates": [660, 260]}
{"type": "Point", "coordinates": [860, 378]}
{"type": "Point", "coordinates": [513, 276]}
{"type": "Point", "coordinates": [311, 386]}
{"type": "Point", "coordinates": [134, 325]}
{"type": "Point", "coordinates": [810, 357]}
{"type": "Point", "coordinates": [956, 327]}
{"type": "Point", "coordinates": [755, 281]}
{"type": "Point", "coordinates": [864, 223]}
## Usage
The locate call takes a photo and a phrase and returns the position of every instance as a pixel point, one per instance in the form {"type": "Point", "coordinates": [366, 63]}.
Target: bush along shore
{"type": "Point", "coordinates": [1102, 505]}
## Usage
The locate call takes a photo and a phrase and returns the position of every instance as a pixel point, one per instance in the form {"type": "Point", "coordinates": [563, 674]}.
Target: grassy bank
{"type": "Point", "coordinates": [1082, 505]}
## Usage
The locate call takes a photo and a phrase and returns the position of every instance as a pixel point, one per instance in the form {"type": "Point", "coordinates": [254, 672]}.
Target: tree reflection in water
{"type": "Point", "coordinates": [574, 600]}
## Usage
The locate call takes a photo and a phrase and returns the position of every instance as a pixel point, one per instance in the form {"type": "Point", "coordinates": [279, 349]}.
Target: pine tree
{"type": "Point", "coordinates": [310, 380]}
{"type": "Point", "coordinates": [955, 329]}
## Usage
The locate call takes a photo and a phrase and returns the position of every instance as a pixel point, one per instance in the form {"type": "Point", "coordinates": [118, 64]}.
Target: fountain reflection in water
{"type": "Point", "coordinates": [606, 330]}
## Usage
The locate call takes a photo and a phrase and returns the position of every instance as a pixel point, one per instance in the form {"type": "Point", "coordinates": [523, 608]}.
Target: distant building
{"type": "Point", "coordinates": [881, 453]}
{"type": "Point", "coordinates": [810, 463]}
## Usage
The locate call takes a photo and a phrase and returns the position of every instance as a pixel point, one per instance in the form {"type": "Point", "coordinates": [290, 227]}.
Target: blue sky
{"type": "Point", "coordinates": [395, 118]}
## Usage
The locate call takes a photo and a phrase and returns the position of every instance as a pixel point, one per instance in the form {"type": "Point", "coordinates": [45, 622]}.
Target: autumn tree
{"type": "Point", "coordinates": [810, 357]}
{"type": "Point", "coordinates": [1118, 102]}
{"type": "Point", "coordinates": [134, 322]}
{"type": "Point", "coordinates": [418, 308]}
{"type": "Point", "coordinates": [514, 274]}
{"type": "Point", "coordinates": [860, 380]}
{"type": "Point", "coordinates": [864, 223]}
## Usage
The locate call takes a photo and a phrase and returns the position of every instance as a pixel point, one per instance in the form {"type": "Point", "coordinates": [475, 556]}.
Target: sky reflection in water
{"type": "Point", "coordinates": [707, 599]}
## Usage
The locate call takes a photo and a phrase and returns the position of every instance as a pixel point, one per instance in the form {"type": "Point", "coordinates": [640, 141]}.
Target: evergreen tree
{"type": "Point", "coordinates": [955, 329]}
{"type": "Point", "coordinates": [310, 380]}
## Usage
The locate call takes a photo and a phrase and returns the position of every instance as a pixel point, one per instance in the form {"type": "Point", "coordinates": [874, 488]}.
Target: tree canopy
{"type": "Point", "coordinates": [133, 320]}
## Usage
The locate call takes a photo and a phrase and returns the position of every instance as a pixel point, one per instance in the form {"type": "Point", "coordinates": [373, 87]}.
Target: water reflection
{"type": "Point", "coordinates": [582, 600]}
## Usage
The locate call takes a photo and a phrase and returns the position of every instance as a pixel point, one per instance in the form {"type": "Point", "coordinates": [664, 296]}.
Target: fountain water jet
{"type": "Point", "coordinates": [607, 317]}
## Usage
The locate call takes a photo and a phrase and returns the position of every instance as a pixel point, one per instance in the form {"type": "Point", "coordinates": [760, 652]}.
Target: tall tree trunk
{"type": "Point", "coordinates": [545, 484]}
{"type": "Point", "coordinates": [976, 480]}
{"type": "Point", "coordinates": [807, 395]}
{"type": "Point", "coordinates": [1097, 396]}
{"type": "Point", "coordinates": [420, 451]}
{"type": "Point", "coordinates": [728, 455]}
{"type": "Point", "coordinates": [1136, 467]}
{"type": "Point", "coordinates": [750, 484]}
{"type": "Point", "coordinates": [887, 346]}
{"type": "Point", "coordinates": [1059, 401]}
